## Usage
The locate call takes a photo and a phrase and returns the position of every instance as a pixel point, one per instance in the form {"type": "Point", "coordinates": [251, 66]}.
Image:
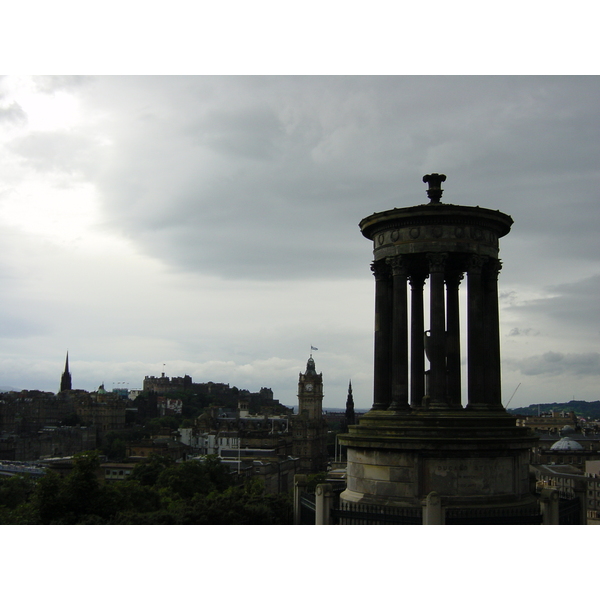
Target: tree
{"type": "Point", "coordinates": [184, 480]}
{"type": "Point", "coordinates": [147, 472]}
{"type": "Point", "coordinates": [47, 501]}
{"type": "Point", "coordinates": [15, 490]}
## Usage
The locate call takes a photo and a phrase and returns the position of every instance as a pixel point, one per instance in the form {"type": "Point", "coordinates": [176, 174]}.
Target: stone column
{"type": "Point", "coordinates": [324, 498]}
{"type": "Point", "coordinates": [437, 326]}
{"type": "Point", "coordinates": [417, 331]}
{"type": "Point", "coordinates": [382, 381]}
{"type": "Point", "coordinates": [399, 335]}
{"type": "Point", "coordinates": [453, 280]}
{"type": "Point", "coordinates": [475, 339]}
{"type": "Point", "coordinates": [549, 503]}
{"type": "Point", "coordinates": [491, 328]}
{"type": "Point", "coordinates": [300, 485]}
{"type": "Point", "coordinates": [433, 511]}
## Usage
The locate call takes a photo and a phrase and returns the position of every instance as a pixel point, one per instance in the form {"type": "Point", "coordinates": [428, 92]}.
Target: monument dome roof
{"type": "Point", "coordinates": [566, 443]}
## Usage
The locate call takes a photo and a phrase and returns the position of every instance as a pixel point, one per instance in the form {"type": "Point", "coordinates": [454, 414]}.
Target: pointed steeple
{"type": "Point", "coordinates": [350, 416]}
{"type": "Point", "coordinates": [65, 380]}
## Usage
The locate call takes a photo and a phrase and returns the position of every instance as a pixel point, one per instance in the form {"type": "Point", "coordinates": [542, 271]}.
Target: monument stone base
{"type": "Point", "coordinates": [469, 458]}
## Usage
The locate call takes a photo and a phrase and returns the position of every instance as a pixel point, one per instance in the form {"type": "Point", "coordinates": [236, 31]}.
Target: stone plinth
{"type": "Point", "coordinates": [469, 459]}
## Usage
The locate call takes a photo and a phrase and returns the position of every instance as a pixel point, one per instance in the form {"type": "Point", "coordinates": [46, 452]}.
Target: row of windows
{"type": "Point", "coordinates": [115, 473]}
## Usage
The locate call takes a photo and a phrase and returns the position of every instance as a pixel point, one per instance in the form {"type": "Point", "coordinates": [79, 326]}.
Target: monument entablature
{"type": "Point", "coordinates": [436, 228]}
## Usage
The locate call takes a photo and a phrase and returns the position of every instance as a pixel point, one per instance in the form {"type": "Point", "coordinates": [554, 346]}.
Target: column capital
{"type": "Point", "coordinates": [493, 266]}
{"type": "Point", "coordinates": [398, 264]}
{"type": "Point", "coordinates": [417, 279]}
{"type": "Point", "coordinates": [380, 269]}
{"type": "Point", "coordinates": [453, 278]}
{"type": "Point", "coordinates": [437, 261]}
{"type": "Point", "coordinates": [475, 263]}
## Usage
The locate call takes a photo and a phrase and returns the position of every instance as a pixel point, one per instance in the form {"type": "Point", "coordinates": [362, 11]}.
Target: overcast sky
{"type": "Point", "coordinates": [209, 225]}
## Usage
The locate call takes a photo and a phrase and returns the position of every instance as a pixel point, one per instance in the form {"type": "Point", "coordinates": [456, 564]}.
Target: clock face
{"type": "Point", "coordinates": [308, 387]}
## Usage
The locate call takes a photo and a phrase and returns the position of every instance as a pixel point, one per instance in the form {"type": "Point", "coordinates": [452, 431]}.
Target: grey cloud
{"type": "Point", "coordinates": [556, 363]}
{"type": "Point", "coordinates": [63, 152]}
{"type": "Point", "coordinates": [13, 113]}
{"type": "Point", "coordinates": [53, 83]}
{"type": "Point", "coordinates": [573, 304]}
{"type": "Point", "coordinates": [247, 133]}
{"type": "Point", "coordinates": [236, 175]}
{"type": "Point", "coordinates": [12, 326]}
{"type": "Point", "coordinates": [523, 331]}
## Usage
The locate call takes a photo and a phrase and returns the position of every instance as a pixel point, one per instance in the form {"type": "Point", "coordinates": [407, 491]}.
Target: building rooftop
{"type": "Point", "coordinates": [566, 444]}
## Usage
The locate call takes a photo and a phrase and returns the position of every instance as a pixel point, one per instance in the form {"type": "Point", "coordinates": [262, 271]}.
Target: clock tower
{"type": "Point", "coordinates": [309, 426]}
{"type": "Point", "coordinates": [310, 392]}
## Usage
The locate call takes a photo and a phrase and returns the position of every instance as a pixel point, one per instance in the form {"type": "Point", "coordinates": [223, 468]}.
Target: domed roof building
{"type": "Point", "coordinates": [566, 444]}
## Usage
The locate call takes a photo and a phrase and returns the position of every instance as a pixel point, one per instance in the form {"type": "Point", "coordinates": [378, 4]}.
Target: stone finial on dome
{"type": "Point", "coordinates": [435, 190]}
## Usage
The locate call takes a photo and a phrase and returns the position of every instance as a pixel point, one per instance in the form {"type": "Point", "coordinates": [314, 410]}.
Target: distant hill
{"type": "Point", "coordinates": [588, 410]}
{"type": "Point", "coordinates": [7, 388]}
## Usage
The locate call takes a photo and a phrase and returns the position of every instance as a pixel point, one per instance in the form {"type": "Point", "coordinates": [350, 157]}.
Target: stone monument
{"type": "Point", "coordinates": [421, 442]}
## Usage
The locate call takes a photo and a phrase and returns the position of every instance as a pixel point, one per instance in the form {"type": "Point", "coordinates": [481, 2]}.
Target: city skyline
{"type": "Point", "coordinates": [209, 225]}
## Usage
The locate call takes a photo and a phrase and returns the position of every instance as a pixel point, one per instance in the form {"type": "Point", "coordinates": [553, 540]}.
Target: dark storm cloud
{"type": "Point", "coordinates": [268, 169]}
{"type": "Point", "coordinates": [268, 177]}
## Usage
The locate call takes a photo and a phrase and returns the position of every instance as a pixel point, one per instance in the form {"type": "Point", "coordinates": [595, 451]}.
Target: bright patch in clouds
{"type": "Point", "coordinates": [64, 215]}
{"type": "Point", "coordinates": [46, 111]}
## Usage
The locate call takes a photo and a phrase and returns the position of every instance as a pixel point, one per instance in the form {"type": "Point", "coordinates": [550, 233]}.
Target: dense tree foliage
{"type": "Point", "coordinates": [159, 491]}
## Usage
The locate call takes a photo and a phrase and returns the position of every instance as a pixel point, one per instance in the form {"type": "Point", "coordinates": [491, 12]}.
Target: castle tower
{"type": "Point", "coordinates": [417, 439]}
{"type": "Point", "coordinates": [65, 380]}
{"type": "Point", "coordinates": [309, 426]}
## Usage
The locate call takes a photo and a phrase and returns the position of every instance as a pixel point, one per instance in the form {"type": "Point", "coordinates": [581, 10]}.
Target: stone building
{"type": "Point", "coordinates": [419, 449]}
{"type": "Point", "coordinates": [48, 441]}
{"type": "Point", "coordinates": [309, 427]}
{"type": "Point", "coordinates": [165, 384]}
{"type": "Point", "coordinates": [162, 445]}
{"type": "Point", "coordinates": [552, 421]}
{"type": "Point", "coordinates": [218, 430]}
{"type": "Point", "coordinates": [569, 446]}
{"type": "Point", "coordinates": [103, 410]}
{"type": "Point", "coordinates": [277, 472]}
{"type": "Point", "coordinates": [28, 411]}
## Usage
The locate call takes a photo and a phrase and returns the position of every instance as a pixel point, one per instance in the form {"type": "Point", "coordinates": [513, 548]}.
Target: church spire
{"type": "Point", "coordinates": [350, 416]}
{"type": "Point", "coordinates": [65, 380]}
